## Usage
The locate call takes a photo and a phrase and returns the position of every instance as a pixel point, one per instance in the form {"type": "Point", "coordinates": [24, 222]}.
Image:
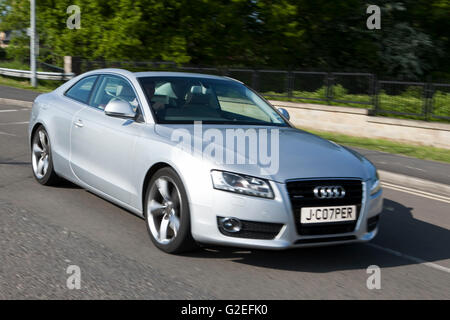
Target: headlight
{"type": "Point", "coordinates": [375, 185]}
{"type": "Point", "coordinates": [241, 184]}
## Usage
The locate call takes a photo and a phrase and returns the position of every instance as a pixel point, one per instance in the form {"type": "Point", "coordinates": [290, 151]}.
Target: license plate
{"type": "Point", "coordinates": [327, 214]}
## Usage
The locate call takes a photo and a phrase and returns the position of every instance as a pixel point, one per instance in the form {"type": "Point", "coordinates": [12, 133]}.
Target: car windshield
{"type": "Point", "coordinates": [188, 99]}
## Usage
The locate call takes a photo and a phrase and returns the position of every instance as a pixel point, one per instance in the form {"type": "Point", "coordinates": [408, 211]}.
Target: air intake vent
{"type": "Point", "coordinates": [252, 230]}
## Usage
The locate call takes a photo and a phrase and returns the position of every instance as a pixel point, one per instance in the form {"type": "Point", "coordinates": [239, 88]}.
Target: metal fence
{"type": "Point", "coordinates": [439, 105]}
{"type": "Point", "coordinates": [417, 100]}
{"type": "Point", "coordinates": [403, 98]}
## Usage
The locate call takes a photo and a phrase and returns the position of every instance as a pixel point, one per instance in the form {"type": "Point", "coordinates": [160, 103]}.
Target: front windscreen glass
{"type": "Point", "coordinates": [188, 99]}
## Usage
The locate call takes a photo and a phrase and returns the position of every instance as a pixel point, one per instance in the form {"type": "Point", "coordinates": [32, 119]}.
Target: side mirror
{"type": "Point", "coordinates": [120, 109]}
{"type": "Point", "coordinates": [284, 112]}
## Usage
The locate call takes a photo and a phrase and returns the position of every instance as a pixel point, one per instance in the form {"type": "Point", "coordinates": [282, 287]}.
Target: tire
{"type": "Point", "coordinates": [41, 158]}
{"type": "Point", "coordinates": [167, 215]}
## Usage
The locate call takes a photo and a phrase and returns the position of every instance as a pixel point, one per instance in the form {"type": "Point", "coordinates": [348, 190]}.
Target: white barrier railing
{"type": "Point", "coordinates": [40, 74]}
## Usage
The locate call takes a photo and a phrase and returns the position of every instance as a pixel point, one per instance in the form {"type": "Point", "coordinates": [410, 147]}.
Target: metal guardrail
{"type": "Point", "coordinates": [40, 74]}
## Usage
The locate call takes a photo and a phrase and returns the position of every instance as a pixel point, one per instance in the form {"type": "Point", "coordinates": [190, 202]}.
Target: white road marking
{"type": "Point", "coordinates": [416, 192]}
{"type": "Point", "coordinates": [406, 256]}
{"type": "Point", "coordinates": [8, 134]}
{"type": "Point", "coordinates": [13, 110]}
{"type": "Point", "coordinates": [415, 168]}
{"type": "Point", "coordinates": [8, 123]}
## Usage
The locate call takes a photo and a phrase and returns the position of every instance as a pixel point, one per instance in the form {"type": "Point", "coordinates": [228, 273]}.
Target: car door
{"type": "Point", "coordinates": [64, 108]}
{"type": "Point", "coordinates": [102, 147]}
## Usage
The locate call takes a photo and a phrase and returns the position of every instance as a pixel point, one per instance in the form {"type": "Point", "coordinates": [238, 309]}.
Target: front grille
{"type": "Point", "coordinates": [253, 230]}
{"type": "Point", "coordinates": [301, 195]}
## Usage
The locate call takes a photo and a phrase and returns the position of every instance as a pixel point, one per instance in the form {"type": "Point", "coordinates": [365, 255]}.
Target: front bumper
{"type": "Point", "coordinates": [277, 211]}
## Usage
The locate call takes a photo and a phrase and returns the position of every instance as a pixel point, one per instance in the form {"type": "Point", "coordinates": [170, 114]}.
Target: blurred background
{"type": "Point", "coordinates": [412, 44]}
{"type": "Point", "coordinates": [296, 50]}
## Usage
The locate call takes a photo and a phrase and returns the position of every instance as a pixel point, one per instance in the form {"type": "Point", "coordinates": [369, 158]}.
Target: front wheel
{"type": "Point", "coordinates": [167, 213]}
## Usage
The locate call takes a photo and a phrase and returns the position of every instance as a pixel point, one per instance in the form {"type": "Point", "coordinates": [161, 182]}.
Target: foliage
{"type": "Point", "coordinates": [14, 64]}
{"type": "Point", "coordinates": [43, 85]}
{"type": "Point", "coordinates": [413, 42]}
{"type": "Point", "coordinates": [2, 54]}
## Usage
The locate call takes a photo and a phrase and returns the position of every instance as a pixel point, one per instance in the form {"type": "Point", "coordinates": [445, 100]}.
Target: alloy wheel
{"type": "Point", "coordinates": [163, 210]}
{"type": "Point", "coordinates": [40, 154]}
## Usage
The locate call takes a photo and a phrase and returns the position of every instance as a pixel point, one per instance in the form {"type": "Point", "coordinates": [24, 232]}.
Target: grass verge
{"type": "Point", "coordinates": [420, 152]}
{"type": "Point", "coordinates": [21, 83]}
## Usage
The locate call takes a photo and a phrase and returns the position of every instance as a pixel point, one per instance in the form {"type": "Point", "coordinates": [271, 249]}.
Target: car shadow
{"type": "Point", "coordinates": [62, 184]}
{"type": "Point", "coordinates": [66, 184]}
{"type": "Point", "coordinates": [399, 231]}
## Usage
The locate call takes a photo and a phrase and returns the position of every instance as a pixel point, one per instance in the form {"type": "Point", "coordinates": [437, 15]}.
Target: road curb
{"type": "Point", "coordinates": [416, 183]}
{"type": "Point", "coordinates": [18, 103]}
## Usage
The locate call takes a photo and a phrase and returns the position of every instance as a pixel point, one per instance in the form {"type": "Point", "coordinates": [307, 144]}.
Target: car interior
{"type": "Point", "coordinates": [196, 100]}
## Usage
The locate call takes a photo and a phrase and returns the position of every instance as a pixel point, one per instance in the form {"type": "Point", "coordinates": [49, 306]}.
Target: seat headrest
{"type": "Point", "coordinates": [166, 90]}
{"type": "Point", "coordinates": [198, 98]}
{"type": "Point", "coordinates": [197, 89]}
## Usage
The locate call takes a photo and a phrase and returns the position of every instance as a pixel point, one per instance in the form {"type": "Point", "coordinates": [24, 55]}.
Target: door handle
{"type": "Point", "coordinates": [79, 124]}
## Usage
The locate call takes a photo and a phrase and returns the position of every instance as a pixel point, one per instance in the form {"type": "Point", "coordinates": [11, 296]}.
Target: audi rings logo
{"type": "Point", "coordinates": [329, 192]}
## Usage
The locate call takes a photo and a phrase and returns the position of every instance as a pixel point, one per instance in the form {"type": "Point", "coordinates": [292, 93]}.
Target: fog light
{"type": "Point", "coordinates": [231, 224]}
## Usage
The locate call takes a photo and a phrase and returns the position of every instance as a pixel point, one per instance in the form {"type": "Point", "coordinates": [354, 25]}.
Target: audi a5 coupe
{"type": "Point", "coordinates": [204, 160]}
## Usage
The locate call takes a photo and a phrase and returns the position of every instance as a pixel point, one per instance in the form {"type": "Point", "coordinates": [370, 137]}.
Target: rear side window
{"type": "Point", "coordinates": [82, 89]}
{"type": "Point", "coordinates": [111, 87]}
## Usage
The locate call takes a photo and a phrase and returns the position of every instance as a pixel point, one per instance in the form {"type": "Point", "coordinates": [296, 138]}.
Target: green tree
{"type": "Point", "coordinates": [413, 42]}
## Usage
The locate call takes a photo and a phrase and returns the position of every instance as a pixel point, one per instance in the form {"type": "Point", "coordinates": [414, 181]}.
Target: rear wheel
{"type": "Point", "coordinates": [41, 158]}
{"type": "Point", "coordinates": [167, 213]}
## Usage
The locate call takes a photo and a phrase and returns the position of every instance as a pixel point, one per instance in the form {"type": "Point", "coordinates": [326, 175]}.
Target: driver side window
{"type": "Point", "coordinates": [113, 88]}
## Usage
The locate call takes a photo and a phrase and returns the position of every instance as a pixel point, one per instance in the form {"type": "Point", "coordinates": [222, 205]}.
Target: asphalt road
{"type": "Point", "coordinates": [17, 94]}
{"type": "Point", "coordinates": [43, 230]}
{"type": "Point", "coordinates": [424, 169]}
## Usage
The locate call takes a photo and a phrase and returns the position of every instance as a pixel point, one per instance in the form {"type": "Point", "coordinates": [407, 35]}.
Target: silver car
{"type": "Point", "coordinates": [204, 159]}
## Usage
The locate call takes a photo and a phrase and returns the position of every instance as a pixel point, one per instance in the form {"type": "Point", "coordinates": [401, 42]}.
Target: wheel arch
{"type": "Point", "coordinates": [152, 170]}
{"type": "Point", "coordinates": [148, 176]}
{"type": "Point", "coordinates": [33, 131]}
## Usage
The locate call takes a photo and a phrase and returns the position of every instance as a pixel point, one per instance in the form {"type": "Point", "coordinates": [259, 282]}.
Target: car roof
{"type": "Point", "coordinates": [178, 74]}
{"type": "Point", "coordinates": [159, 74]}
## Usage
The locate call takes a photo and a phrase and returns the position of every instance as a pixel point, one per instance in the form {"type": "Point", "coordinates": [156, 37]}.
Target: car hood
{"type": "Point", "coordinates": [300, 154]}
